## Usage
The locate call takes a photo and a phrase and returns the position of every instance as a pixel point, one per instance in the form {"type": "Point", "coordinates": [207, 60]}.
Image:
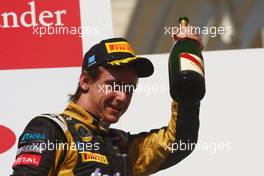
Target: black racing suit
{"type": "Point", "coordinates": [77, 143]}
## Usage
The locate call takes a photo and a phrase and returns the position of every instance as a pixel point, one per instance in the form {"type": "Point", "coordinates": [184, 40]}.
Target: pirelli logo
{"type": "Point", "coordinates": [95, 157]}
{"type": "Point", "coordinates": [114, 47]}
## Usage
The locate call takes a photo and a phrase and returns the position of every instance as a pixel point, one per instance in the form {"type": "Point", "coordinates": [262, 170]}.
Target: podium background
{"type": "Point", "coordinates": [231, 112]}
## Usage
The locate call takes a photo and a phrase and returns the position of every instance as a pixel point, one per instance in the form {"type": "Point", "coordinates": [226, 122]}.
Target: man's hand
{"type": "Point", "coordinates": [187, 32]}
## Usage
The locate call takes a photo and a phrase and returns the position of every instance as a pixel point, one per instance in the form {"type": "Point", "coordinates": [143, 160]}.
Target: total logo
{"type": "Point", "coordinates": [7, 138]}
{"type": "Point", "coordinates": [28, 159]}
{"type": "Point", "coordinates": [98, 173]}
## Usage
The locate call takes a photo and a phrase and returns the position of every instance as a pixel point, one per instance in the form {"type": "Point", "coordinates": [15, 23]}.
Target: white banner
{"type": "Point", "coordinates": [231, 112]}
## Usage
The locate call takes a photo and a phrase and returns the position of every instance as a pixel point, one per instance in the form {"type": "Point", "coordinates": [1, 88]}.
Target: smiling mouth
{"type": "Point", "coordinates": [116, 109]}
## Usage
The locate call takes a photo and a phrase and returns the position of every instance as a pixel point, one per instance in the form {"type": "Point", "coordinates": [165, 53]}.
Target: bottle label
{"type": "Point", "coordinates": [191, 62]}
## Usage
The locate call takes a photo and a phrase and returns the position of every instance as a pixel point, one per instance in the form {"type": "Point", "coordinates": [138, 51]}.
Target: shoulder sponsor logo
{"type": "Point", "coordinates": [114, 47]}
{"type": "Point", "coordinates": [33, 136]}
{"type": "Point", "coordinates": [30, 148]}
{"type": "Point", "coordinates": [94, 157]}
{"type": "Point", "coordinates": [28, 159]}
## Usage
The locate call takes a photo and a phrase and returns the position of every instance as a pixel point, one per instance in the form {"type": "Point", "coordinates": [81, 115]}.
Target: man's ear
{"type": "Point", "coordinates": [85, 80]}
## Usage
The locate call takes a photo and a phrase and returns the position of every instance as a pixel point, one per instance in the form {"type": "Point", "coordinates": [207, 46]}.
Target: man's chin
{"type": "Point", "coordinates": [111, 118]}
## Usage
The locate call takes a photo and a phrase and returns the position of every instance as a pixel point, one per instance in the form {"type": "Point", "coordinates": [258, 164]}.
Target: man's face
{"type": "Point", "coordinates": [111, 93]}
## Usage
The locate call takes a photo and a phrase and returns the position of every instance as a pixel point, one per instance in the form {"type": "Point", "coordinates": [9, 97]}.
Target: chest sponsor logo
{"type": "Point", "coordinates": [97, 172]}
{"type": "Point", "coordinates": [30, 148]}
{"type": "Point", "coordinates": [114, 47]}
{"type": "Point", "coordinates": [84, 133]}
{"type": "Point", "coordinates": [28, 159]}
{"type": "Point", "coordinates": [33, 136]}
{"type": "Point", "coordinates": [94, 157]}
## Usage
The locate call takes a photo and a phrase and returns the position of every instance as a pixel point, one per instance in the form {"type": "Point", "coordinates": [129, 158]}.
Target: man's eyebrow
{"type": "Point", "coordinates": [110, 81]}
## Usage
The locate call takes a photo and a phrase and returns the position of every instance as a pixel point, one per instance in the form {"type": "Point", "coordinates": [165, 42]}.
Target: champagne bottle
{"type": "Point", "coordinates": [186, 70]}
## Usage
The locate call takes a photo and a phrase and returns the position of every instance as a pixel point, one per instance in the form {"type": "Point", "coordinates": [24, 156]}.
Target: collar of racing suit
{"type": "Point", "coordinates": [75, 111]}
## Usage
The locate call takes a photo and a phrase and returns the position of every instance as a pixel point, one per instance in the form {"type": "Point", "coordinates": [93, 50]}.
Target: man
{"type": "Point", "coordinates": [80, 142]}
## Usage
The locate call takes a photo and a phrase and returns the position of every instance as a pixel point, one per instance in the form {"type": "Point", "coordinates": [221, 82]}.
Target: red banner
{"type": "Point", "coordinates": [39, 34]}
